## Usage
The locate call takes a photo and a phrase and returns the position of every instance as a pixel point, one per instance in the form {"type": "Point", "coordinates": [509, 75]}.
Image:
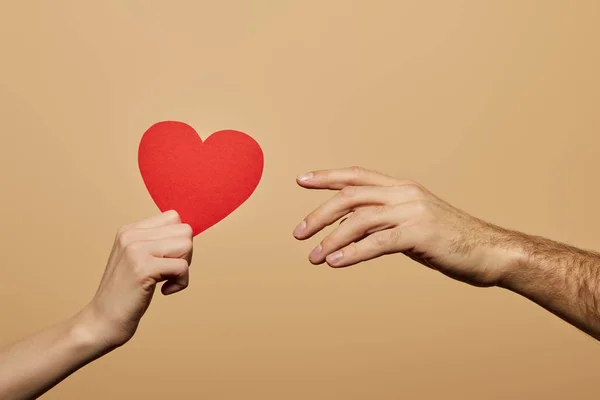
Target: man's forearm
{"type": "Point", "coordinates": [34, 365]}
{"type": "Point", "coordinates": [563, 279]}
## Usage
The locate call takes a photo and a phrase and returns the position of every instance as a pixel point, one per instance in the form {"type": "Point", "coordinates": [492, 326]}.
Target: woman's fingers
{"type": "Point", "coordinates": [156, 221]}
{"type": "Point", "coordinates": [173, 271]}
{"type": "Point", "coordinates": [177, 275]}
{"type": "Point", "coordinates": [156, 233]}
{"type": "Point", "coordinates": [173, 247]}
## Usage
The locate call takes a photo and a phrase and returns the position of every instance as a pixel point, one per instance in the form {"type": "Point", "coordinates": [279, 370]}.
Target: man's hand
{"type": "Point", "coordinates": [158, 249]}
{"type": "Point", "coordinates": [383, 215]}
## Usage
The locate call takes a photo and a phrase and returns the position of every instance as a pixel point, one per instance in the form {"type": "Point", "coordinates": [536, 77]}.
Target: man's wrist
{"type": "Point", "coordinates": [514, 267]}
{"type": "Point", "coordinates": [507, 253]}
{"type": "Point", "coordinates": [523, 265]}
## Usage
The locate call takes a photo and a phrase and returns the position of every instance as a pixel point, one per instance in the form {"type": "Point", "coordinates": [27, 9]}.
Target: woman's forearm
{"type": "Point", "coordinates": [34, 365]}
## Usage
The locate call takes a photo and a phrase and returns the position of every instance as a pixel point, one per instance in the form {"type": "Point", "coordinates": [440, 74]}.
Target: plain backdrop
{"type": "Point", "coordinates": [491, 105]}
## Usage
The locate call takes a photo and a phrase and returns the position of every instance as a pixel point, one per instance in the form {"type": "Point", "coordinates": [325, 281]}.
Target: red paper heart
{"type": "Point", "coordinates": [203, 181]}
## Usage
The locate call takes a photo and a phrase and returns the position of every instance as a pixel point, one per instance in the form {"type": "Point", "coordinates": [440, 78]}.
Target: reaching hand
{"type": "Point", "coordinates": [383, 215]}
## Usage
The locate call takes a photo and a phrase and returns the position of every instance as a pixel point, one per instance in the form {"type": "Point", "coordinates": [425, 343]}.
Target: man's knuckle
{"type": "Point", "coordinates": [348, 192]}
{"type": "Point", "coordinates": [362, 216]}
{"type": "Point", "coordinates": [385, 238]}
{"type": "Point", "coordinates": [403, 181]}
{"type": "Point", "coordinates": [413, 190]}
{"type": "Point", "coordinates": [420, 208]}
{"type": "Point", "coordinates": [379, 209]}
{"type": "Point", "coordinates": [327, 242]}
{"type": "Point", "coordinates": [393, 237]}
{"type": "Point", "coordinates": [379, 239]}
{"type": "Point", "coordinates": [357, 170]}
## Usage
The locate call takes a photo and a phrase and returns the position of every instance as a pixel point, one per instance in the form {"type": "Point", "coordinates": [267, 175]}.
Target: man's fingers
{"type": "Point", "coordinates": [362, 223]}
{"type": "Point", "coordinates": [351, 198]}
{"type": "Point", "coordinates": [345, 201]}
{"type": "Point", "coordinates": [338, 178]}
{"type": "Point", "coordinates": [401, 237]}
{"type": "Point", "coordinates": [375, 245]}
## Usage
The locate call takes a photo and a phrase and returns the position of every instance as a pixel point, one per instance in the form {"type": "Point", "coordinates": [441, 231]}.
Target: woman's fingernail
{"type": "Point", "coordinates": [300, 228]}
{"type": "Point", "coordinates": [315, 252]}
{"type": "Point", "coordinates": [335, 257]}
{"type": "Point", "coordinates": [305, 177]}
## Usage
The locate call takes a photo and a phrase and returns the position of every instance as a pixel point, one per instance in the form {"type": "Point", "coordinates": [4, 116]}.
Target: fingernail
{"type": "Point", "coordinates": [305, 177]}
{"type": "Point", "coordinates": [335, 257]}
{"type": "Point", "coordinates": [315, 252]}
{"type": "Point", "coordinates": [300, 228]}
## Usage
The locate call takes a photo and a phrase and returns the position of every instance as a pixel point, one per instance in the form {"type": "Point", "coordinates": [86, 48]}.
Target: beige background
{"type": "Point", "coordinates": [492, 105]}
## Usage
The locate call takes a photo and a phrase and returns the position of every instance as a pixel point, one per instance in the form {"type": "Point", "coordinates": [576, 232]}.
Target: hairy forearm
{"type": "Point", "coordinates": [31, 367]}
{"type": "Point", "coordinates": [563, 279]}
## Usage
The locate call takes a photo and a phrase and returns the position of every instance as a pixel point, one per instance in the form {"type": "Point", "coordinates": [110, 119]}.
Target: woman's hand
{"type": "Point", "coordinates": [157, 249]}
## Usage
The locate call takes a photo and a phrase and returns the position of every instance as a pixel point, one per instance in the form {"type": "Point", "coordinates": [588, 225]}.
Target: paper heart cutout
{"type": "Point", "coordinates": [203, 181]}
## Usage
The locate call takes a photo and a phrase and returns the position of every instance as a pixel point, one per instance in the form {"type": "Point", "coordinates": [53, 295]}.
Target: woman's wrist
{"type": "Point", "coordinates": [88, 333]}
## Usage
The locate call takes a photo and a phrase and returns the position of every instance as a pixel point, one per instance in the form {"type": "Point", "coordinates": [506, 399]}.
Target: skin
{"type": "Point", "coordinates": [144, 254]}
{"type": "Point", "coordinates": [381, 215]}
